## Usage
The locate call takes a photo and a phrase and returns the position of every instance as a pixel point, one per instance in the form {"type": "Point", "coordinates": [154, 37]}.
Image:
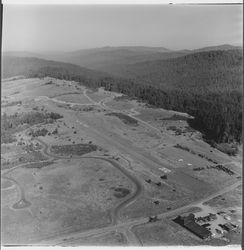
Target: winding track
{"type": "Point", "coordinates": [134, 222]}
{"type": "Point", "coordinates": [132, 198]}
{"type": "Point", "coordinates": [102, 104]}
{"type": "Point", "coordinates": [115, 212]}
{"type": "Point", "coordinates": [22, 203]}
{"type": "Point", "coordinates": [124, 226]}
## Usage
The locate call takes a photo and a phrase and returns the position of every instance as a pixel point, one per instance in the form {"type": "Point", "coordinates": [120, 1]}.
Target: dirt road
{"type": "Point", "coordinates": [134, 222]}
{"type": "Point", "coordinates": [116, 225]}
{"type": "Point", "coordinates": [133, 179]}
{"type": "Point", "coordinates": [150, 162]}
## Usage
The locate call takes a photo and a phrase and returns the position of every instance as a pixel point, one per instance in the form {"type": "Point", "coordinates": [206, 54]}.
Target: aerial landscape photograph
{"type": "Point", "coordinates": [121, 125]}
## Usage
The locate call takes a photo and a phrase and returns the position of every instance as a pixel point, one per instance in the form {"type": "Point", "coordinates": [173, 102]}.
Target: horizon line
{"type": "Point", "coordinates": [121, 46]}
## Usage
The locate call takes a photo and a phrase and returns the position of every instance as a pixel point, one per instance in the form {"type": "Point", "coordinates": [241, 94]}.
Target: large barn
{"type": "Point", "coordinates": [190, 224]}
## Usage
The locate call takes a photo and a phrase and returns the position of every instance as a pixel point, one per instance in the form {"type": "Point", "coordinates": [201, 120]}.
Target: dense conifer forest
{"type": "Point", "coordinates": [206, 85]}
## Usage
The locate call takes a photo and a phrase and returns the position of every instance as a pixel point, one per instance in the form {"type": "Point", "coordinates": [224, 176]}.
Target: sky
{"type": "Point", "coordinates": [74, 27]}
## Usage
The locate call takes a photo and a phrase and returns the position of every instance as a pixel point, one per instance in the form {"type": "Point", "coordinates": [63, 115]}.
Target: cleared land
{"type": "Point", "coordinates": [107, 239]}
{"type": "Point", "coordinates": [125, 118]}
{"type": "Point", "coordinates": [66, 196]}
{"type": "Point", "coordinates": [76, 98]}
{"type": "Point", "coordinates": [83, 167]}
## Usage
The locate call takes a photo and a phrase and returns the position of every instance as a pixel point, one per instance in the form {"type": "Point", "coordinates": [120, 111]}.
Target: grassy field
{"type": "Point", "coordinates": [164, 233]}
{"type": "Point", "coordinates": [230, 203]}
{"type": "Point", "coordinates": [124, 118]}
{"type": "Point", "coordinates": [76, 98]}
{"type": "Point", "coordinates": [168, 233]}
{"type": "Point", "coordinates": [66, 194]}
{"type": "Point", "coordinates": [121, 105]}
{"type": "Point", "coordinates": [178, 190]}
{"type": "Point", "coordinates": [98, 95]}
{"type": "Point", "coordinates": [107, 239]}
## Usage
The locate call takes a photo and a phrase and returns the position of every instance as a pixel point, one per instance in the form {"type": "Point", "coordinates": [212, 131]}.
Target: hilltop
{"type": "Point", "coordinates": [13, 66]}
{"type": "Point", "coordinates": [115, 60]}
{"type": "Point", "coordinates": [206, 85]}
{"type": "Point", "coordinates": [211, 69]}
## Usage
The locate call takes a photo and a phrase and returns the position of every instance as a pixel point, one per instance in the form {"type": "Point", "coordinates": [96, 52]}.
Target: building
{"type": "Point", "coordinates": [209, 217]}
{"type": "Point", "coordinates": [228, 227]}
{"type": "Point", "coordinates": [190, 224]}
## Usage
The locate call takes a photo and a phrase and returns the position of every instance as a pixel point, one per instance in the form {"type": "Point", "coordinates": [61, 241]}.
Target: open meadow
{"type": "Point", "coordinates": [82, 166]}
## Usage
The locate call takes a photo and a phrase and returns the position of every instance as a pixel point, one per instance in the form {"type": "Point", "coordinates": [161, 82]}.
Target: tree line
{"type": "Point", "coordinates": [218, 115]}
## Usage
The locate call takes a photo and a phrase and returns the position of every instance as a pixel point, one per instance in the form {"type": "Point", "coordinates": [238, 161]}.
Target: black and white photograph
{"type": "Point", "coordinates": [121, 124]}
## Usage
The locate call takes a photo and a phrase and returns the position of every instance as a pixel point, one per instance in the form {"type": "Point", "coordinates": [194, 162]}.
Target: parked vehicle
{"type": "Point", "coordinates": [153, 218]}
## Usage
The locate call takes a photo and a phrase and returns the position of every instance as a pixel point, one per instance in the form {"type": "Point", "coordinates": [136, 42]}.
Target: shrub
{"type": "Point", "coordinates": [39, 132]}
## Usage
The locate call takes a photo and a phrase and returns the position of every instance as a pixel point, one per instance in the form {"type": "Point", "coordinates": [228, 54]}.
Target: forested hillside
{"type": "Point", "coordinates": [12, 66]}
{"type": "Point", "coordinates": [217, 115]}
{"type": "Point", "coordinates": [123, 61]}
{"type": "Point", "coordinates": [213, 70]}
{"type": "Point", "coordinates": [206, 85]}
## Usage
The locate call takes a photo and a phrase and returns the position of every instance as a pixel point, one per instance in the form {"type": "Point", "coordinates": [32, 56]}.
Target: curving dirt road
{"type": "Point", "coordinates": [125, 226]}
{"type": "Point", "coordinates": [22, 202]}
{"type": "Point", "coordinates": [103, 102]}
{"type": "Point", "coordinates": [116, 224]}
{"type": "Point", "coordinates": [115, 213]}
{"type": "Point", "coordinates": [134, 222]}
{"type": "Point", "coordinates": [132, 198]}
{"type": "Point", "coordinates": [133, 179]}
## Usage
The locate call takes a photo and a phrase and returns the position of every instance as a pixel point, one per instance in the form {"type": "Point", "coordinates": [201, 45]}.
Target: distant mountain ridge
{"type": "Point", "coordinates": [129, 48]}
{"type": "Point", "coordinates": [12, 66]}
{"type": "Point", "coordinates": [202, 69]}
{"type": "Point", "coordinates": [108, 59]}
{"type": "Point", "coordinates": [206, 85]}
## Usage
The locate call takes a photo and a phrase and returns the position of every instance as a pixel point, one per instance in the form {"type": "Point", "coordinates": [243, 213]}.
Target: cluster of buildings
{"type": "Point", "coordinates": [190, 222]}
